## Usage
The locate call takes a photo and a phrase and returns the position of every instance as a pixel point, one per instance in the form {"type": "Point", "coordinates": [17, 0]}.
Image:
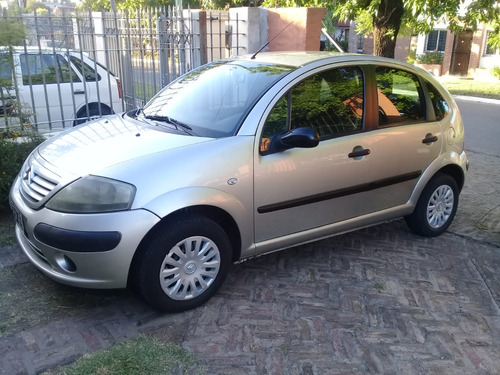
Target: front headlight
{"type": "Point", "coordinates": [92, 194]}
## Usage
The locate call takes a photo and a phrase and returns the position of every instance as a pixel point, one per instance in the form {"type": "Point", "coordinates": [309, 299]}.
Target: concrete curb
{"type": "Point", "coordinates": [477, 99]}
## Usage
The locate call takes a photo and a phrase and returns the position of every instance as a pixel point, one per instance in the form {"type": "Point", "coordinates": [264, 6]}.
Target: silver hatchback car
{"type": "Point", "coordinates": [239, 158]}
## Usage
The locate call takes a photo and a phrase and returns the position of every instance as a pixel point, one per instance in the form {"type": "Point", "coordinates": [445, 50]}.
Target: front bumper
{"type": "Point", "coordinates": [90, 264]}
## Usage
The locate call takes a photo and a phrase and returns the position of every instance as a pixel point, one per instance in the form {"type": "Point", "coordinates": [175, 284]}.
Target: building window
{"type": "Point", "coordinates": [436, 41]}
{"type": "Point", "coordinates": [488, 49]}
{"type": "Point", "coordinates": [360, 42]}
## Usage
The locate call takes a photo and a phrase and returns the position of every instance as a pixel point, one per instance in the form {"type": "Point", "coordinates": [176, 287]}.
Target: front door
{"type": "Point", "coordinates": [300, 189]}
{"type": "Point", "coordinates": [461, 53]}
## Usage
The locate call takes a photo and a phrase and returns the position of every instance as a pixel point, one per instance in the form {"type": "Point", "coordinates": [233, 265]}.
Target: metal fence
{"type": "Point", "coordinates": [140, 52]}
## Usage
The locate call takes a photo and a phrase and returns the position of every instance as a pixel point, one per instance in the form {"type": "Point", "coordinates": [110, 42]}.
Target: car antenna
{"type": "Point", "coordinates": [265, 45]}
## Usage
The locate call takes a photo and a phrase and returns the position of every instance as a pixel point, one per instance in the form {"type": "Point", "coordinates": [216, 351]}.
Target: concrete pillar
{"type": "Point", "coordinates": [248, 28]}
{"type": "Point", "coordinates": [295, 29]}
{"type": "Point", "coordinates": [198, 29]}
{"type": "Point", "coordinates": [476, 50]}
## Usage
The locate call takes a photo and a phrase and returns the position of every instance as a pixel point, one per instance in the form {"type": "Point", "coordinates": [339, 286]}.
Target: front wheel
{"type": "Point", "coordinates": [436, 207]}
{"type": "Point", "coordinates": [184, 264]}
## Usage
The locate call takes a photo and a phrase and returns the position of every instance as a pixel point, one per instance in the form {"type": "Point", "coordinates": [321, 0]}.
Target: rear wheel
{"type": "Point", "coordinates": [436, 207]}
{"type": "Point", "coordinates": [184, 264]}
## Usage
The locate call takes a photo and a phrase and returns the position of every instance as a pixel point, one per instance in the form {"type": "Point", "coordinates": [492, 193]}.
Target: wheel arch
{"type": "Point", "coordinates": [91, 106]}
{"type": "Point", "coordinates": [456, 173]}
{"type": "Point", "coordinates": [216, 214]}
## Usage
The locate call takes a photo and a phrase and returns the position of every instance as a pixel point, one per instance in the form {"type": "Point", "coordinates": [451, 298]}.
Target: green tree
{"type": "Point", "coordinates": [12, 33]}
{"type": "Point", "coordinates": [386, 17]}
{"type": "Point", "coordinates": [33, 5]}
{"type": "Point", "coordinates": [98, 5]}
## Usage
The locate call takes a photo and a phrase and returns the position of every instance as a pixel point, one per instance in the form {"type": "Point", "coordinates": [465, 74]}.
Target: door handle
{"type": "Point", "coordinates": [78, 92]}
{"type": "Point", "coordinates": [429, 138]}
{"type": "Point", "coordinates": [358, 152]}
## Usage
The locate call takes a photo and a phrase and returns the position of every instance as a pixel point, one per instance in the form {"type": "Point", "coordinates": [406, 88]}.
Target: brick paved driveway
{"type": "Point", "coordinates": [376, 301]}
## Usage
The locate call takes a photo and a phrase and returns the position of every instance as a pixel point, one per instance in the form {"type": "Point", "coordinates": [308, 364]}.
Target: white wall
{"type": "Point", "coordinates": [252, 32]}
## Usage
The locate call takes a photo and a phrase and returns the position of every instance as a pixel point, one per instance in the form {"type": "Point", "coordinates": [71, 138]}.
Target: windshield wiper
{"type": "Point", "coordinates": [138, 111]}
{"type": "Point", "coordinates": [169, 120]}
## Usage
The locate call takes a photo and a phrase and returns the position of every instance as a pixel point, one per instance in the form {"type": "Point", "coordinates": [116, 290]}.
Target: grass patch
{"type": "Point", "coordinates": [28, 299]}
{"type": "Point", "coordinates": [146, 92]}
{"type": "Point", "coordinates": [7, 235]}
{"type": "Point", "coordinates": [467, 87]}
{"type": "Point", "coordinates": [379, 287]}
{"type": "Point", "coordinates": [142, 355]}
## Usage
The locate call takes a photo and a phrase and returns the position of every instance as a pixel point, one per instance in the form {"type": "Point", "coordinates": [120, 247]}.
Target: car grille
{"type": "Point", "coordinates": [37, 182]}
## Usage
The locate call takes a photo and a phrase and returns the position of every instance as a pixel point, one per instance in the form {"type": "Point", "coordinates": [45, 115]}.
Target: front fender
{"type": "Point", "coordinates": [241, 212]}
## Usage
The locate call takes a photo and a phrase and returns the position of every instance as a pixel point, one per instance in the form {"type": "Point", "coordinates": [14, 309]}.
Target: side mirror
{"type": "Point", "coordinates": [299, 137]}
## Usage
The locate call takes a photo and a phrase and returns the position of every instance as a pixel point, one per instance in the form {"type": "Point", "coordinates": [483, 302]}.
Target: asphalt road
{"type": "Point", "coordinates": [482, 125]}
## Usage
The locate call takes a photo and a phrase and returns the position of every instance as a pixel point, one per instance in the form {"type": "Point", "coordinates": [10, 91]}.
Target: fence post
{"type": "Point", "coordinates": [182, 41]}
{"type": "Point", "coordinates": [199, 38]}
{"type": "Point", "coordinates": [163, 49]}
{"type": "Point", "coordinates": [128, 85]}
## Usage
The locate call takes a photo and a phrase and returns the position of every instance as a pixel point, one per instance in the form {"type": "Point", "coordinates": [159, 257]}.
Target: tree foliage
{"type": "Point", "coordinates": [387, 18]}
{"type": "Point", "coordinates": [12, 33]}
{"type": "Point", "coordinates": [32, 5]}
{"type": "Point", "coordinates": [419, 15]}
{"type": "Point", "coordinates": [98, 5]}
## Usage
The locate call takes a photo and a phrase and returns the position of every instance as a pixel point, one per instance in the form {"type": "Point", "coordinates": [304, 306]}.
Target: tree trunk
{"type": "Point", "coordinates": [386, 24]}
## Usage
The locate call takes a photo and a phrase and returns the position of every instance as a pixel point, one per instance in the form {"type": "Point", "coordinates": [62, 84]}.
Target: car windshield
{"type": "Point", "coordinates": [213, 100]}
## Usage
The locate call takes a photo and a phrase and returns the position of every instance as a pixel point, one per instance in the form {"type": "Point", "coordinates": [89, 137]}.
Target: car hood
{"type": "Point", "coordinates": [109, 141]}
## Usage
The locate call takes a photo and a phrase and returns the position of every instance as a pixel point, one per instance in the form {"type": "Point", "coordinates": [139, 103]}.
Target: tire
{"type": "Point", "coordinates": [436, 207]}
{"type": "Point", "coordinates": [170, 277]}
{"type": "Point", "coordinates": [84, 116]}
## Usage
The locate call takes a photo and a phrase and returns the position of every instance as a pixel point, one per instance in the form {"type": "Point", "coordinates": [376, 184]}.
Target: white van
{"type": "Point", "coordinates": [57, 88]}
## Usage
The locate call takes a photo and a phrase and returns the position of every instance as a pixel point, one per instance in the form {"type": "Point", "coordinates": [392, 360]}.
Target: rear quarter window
{"type": "Point", "coordinates": [440, 105]}
{"type": "Point", "coordinates": [85, 69]}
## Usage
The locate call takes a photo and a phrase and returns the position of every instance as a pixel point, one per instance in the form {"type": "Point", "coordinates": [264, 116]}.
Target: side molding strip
{"type": "Point", "coordinates": [339, 193]}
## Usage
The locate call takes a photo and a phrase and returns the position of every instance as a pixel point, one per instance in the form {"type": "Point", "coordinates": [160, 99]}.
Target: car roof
{"type": "Point", "coordinates": [299, 59]}
{"type": "Point", "coordinates": [35, 49]}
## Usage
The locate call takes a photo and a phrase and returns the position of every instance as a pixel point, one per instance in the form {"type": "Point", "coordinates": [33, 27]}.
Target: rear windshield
{"type": "Point", "coordinates": [214, 99]}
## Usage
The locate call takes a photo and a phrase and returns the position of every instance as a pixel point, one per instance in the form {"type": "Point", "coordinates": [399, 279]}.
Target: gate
{"type": "Point", "coordinates": [145, 49]}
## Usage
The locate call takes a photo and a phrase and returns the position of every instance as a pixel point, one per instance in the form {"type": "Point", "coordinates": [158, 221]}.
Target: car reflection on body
{"type": "Point", "coordinates": [236, 159]}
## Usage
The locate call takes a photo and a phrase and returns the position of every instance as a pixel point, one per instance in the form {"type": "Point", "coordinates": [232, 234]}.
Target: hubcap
{"type": "Point", "coordinates": [190, 268]}
{"type": "Point", "coordinates": [440, 206]}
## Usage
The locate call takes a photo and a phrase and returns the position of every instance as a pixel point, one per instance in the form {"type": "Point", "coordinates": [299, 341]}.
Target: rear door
{"type": "Point", "coordinates": [408, 139]}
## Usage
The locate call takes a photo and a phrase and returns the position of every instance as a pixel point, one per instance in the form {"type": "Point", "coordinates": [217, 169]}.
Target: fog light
{"type": "Point", "coordinates": [66, 263]}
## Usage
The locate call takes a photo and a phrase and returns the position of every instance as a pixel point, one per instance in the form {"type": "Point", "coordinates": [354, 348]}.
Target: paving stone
{"type": "Point", "coordinates": [377, 301]}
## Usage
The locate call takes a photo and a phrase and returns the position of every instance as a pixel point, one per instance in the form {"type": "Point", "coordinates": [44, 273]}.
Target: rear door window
{"type": "Point", "coordinates": [85, 69]}
{"type": "Point", "coordinates": [400, 97]}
